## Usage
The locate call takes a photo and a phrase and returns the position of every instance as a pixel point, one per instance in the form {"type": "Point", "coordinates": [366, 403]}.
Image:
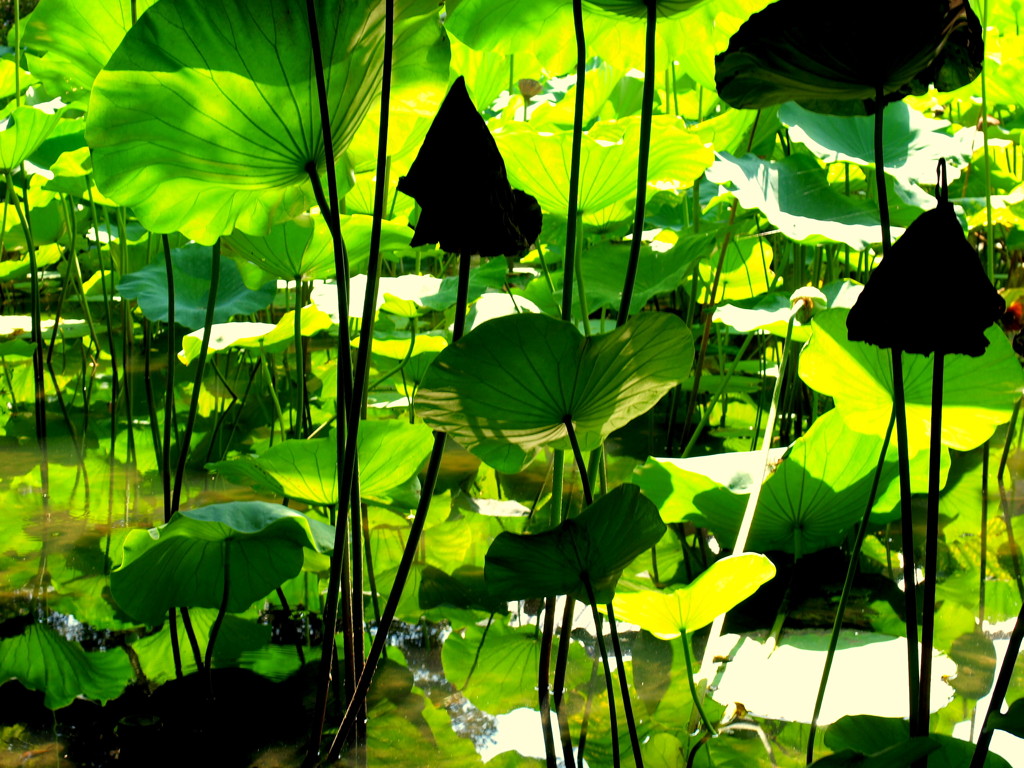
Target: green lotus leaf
{"type": "Point", "coordinates": [594, 546]}
{"type": "Point", "coordinates": [191, 265]}
{"type": "Point", "coordinates": [8, 84]}
{"type": "Point", "coordinates": [723, 586]}
{"type": "Point", "coordinates": [511, 382]}
{"type": "Point", "coordinates": [794, 195]}
{"type": "Point", "coordinates": [44, 661]}
{"type": "Point", "coordinates": [510, 26]}
{"type": "Point", "coordinates": [200, 124]}
{"type": "Point", "coordinates": [78, 37]}
{"type": "Point", "coordinates": [390, 454]}
{"type": "Point", "coordinates": [539, 161]}
{"type": "Point", "coordinates": [870, 734]}
{"type": "Point", "coordinates": [496, 668]}
{"type": "Point", "coordinates": [244, 335]}
{"type": "Point", "coordinates": [978, 393]}
{"type": "Point", "coordinates": [235, 637]}
{"type": "Point", "coordinates": [182, 563]}
{"type": "Point", "coordinates": [603, 265]}
{"type": "Point", "coordinates": [22, 131]}
{"type": "Point", "coordinates": [746, 271]}
{"type": "Point", "coordinates": [814, 496]}
{"type": "Point", "coordinates": [803, 51]}
{"type": "Point", "coordinates": [911, 143]}
{"type": "Point", "coordinates": [638, 8]}
{"type": "Point", "coordinates": [770, 312]}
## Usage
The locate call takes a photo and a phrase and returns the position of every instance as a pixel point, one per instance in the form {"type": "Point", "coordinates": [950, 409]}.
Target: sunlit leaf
{"type": "Point", "coordinates": [726, 584]}
{"type": "Point", "coordinates": [978, 393]}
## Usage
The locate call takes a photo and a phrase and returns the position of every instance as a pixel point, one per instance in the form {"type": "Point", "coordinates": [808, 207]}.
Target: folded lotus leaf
{"type": "Point", "coordinates": [835, 57]}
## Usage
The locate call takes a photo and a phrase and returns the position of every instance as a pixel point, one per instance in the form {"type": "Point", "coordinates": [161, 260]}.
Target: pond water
{"type": "Point", "coordinates": [458, 687]}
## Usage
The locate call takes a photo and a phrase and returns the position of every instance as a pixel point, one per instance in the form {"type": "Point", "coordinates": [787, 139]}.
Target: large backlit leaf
{"type": "Point", "coordinates": [978, 393]}
{"type": "Point", "coordinates": [594, 546]}
{"type": "Point", "coordinates": [44, 661]}
{"type": "Point", "coordinates": [206, 122]}
{"type": "Point", "coordinates": [726, 584]}
{"type": "Point", "coordinates": [78, 36]}
{"type": "Point", "coordinates": [514, 380]}
{"type": "Point", "coordinates": [22, 130]}
{"type": "Point", "coordinates": [793, 193]}
{"type": "Point", "coordinates": [539, 161]}
{"type": "Point", "coordinates": [182, 563]}
{"type": "Point", "coordinates": [191, 265]}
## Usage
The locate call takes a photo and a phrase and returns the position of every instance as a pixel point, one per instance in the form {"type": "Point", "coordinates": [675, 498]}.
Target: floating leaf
{"type": "Point", "coordinates": [512, 382]}
{"type": "Point", "coordinates": [978, 393]}
{"type": "Point", "coordinates": [182, 563]}
{"type": "Point", "coordinates": [723, 586]}
{"type": "Point", "coordinates": [594, 546]}
{"type": "Point", "coordinates": [44, 661]}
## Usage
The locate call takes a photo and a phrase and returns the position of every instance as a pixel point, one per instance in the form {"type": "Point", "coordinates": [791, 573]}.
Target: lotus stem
{"type": "Point", "coordinates": [221, 611]}
{"type": "Point", "coordinates": [581, 465]}
{"type": "Point", "coordinates": [562, 658]}
{"type": "Point", "coordinates": [851, 573]}
{"type": "Point", "coordinates": [646, 118]}
{"type": "Point", "coordinates": [573, 218]}
{"type": "Point", "coordinates": [608, 684]}
{"type": "Point", "coordinates": [627, 706]}
{"type": "Point", "coordinates": [543, 682]}
{"type": "Point", "coordinates": [301, 395]}
{"type": "Point", "coordinates": [982, 560]}
{"type": "Point", "coordinates": [907, 531]}
{"type": "Point", "coordinates": [582, 741]}
{"type": "Point", "coordinates": [931, 546]}
{"type": "Point", "coordinates": [693, 687]}
{"type": "Point", "coordinates": [391, 607]}
{"type": "Point", "coordinates": [999, 690]}
{"type": "Point", "coordinates": [38, 376]}
{"type": "Point", "coordinates": [755, 492]}
{"type": "Point", "coordinates": [169, 429]}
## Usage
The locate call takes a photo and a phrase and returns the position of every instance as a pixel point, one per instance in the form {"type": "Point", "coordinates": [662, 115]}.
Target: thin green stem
{"type": "Point", "coordinates": [222, 610]}
{"type": "Point", "coordinates": [301, 394]}
{"type": "Point", "coordinates": [581, 465]}
{"type": "Point", "coordinates": [1002, 685]}
{"type": "Point", "coordinates": [609, 685]}
{"type": "Point", "coordinates": [543, 682]}
{"type": "Point", "coordinates": [627, 705]}
{"type": "Point", "coordinates": [851, 573]}
{"type": "Point", "coordinates": [646, 119]}
{"type": "Point", "coordinates": [931, 547]}
{"type": "Point", "coordinates": [687, 656]}
{"type": "Point", "coordinates": [197, 382]}
{"type": "Point", "coordinates": [573, 219]}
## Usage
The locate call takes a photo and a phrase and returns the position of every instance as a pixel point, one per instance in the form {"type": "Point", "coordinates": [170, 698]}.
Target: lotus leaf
{"type": "Point", "coordinates": [182, 563]}
{"type": "Point", "coordinates": [191, 265]}
{"type": "Point", "coordinates": [505, 389]}
{"type": "Point", "coordinates": [200, 124]}
{"type": "Point", "coordinates": [726, 584]}
{"type": "Point", "coordinates": [794, 195]}
{"type": "Point", "coordinates": [978, 393]}
{"type": "Point", "coordinates": [390, 453]}
{"type": "Point", "coordinates": [594, 547]}
{"type": "Point", "coordinates": [44, 661]}
{"type": "Point", "coordinates": [243, 335]}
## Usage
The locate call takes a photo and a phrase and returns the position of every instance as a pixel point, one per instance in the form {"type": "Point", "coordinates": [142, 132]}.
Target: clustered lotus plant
{"type": "Point", "coordinates": [409, 262]}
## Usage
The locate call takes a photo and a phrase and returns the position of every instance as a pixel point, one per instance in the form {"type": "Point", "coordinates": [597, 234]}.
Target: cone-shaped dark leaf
{"type": "Point", "coordinates": [459, 180]}
{"type": "Point", "coordinates": [832, 57]}
{"type": "Point", "coordinates": [932, 259]}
